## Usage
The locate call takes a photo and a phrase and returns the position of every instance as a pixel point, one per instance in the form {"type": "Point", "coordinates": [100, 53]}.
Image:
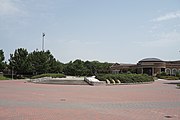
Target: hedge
{"type": "Point", "coordinates": [169, 77]}
{"type": "Point", "coordinates": [163, 75]}
{"type": "Point", "coordinates": [126, 78]}
{"type": "Point", "coordinates": [3, 78]}
{"type": "Point", "coordinates": [49, 75]}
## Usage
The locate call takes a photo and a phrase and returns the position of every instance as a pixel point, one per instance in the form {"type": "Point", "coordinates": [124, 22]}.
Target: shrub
{"type": "Point", "coordinates": [163, 75]}
{"type": "Point", "coordinates": [3, 78]}
{"type": "Point", "coordinates": [126, 78]}
{"type": "Point", "coordinates": [169, 77]}
{"type": "Point", "coordinates": [101, 77]}
{"type": "Point", "coordinates": [178, 85]}
{"type": "Point", "coordinates": [49, 75]}
{"type": "Point", "coordinates": [178, 74]}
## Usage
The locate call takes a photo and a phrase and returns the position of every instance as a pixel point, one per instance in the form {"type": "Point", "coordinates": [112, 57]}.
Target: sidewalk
{"type": "Point", "coordinates": [20, 100]}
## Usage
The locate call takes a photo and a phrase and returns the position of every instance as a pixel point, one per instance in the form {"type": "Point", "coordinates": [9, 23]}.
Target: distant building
{"type": "Point", "coordinates": [121, 68]}
{"type": "Point", "coordinates": [150, 66]}
{"type": "Point", "coordinates": [172, 67]}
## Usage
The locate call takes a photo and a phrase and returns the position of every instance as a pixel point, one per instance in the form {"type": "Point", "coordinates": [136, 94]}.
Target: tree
{"type": "Point", "coordinates": [76, 68]}
{"type": "Point", "coordinates": [19, 61]}
{"type": "Point", "coordinates": [99, 67]}
{"type": "Point", "coordinates": [69, 69]}
{"type": "Point", "coordinates": [55, 66]}
{"type": "Point", "coordinates": [44, 62]}
{"type": "Point", "coordinates": [91, 69]}
{"type": "Point", "coordinates": [81, 68]}
{"type": "Point", "coordinates": [2, 63]}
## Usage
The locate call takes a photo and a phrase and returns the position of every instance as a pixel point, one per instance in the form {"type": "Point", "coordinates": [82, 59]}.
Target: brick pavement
{"type": "Point", "coordinates": [27, 101]}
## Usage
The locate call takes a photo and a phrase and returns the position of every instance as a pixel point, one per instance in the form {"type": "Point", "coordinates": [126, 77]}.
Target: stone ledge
{"type": "Point", "coordinates": [93, 81]}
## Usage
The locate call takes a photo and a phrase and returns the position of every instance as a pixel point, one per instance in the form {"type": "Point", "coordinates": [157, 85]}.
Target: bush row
{"type": "Point", "coordinates": [49, 75]}
{"type": "Point", "coordinates": [163, 75]}
{"type": "Point", "coordinates": [169, 77]}
{"type": "Point", "coordinates": [125, 78]}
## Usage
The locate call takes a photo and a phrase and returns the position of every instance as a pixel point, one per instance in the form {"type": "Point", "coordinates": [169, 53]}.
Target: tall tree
{"type": "Point", "coordinates": [2, 64]}
{"type": "Point", "coordinates": [19, 61]}
{"type": "Point", "coordinates": [43, 62]}
{"type": "Point", "coordinates": [99, 67]}
{"type": "Point", "coordinates": [55, 66]}
{"type": "Point", "coordinates": [69, 69]}
{"type": "Point", "coordinates": [91, 69]}
{"type": "Point", "coordinates": [77, 68]}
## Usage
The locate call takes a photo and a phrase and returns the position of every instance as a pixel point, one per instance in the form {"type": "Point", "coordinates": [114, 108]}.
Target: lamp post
{"type": "Point", "coordinates": [12, 74]}
{"type": "Point", "coordinates": [43, 35]}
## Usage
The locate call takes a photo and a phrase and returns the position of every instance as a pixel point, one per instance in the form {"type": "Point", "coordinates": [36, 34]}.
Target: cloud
{"type": "Point", "coordinates": [172, 15]}
{"type": "Point", "coordinates": [9, 7]}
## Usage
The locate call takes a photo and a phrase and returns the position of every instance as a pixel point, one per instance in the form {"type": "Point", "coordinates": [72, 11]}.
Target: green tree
{"type": "Point", "coordinates": [2, 64]}
{"type": "Point", "coordinates": [80, 69]}
{"type": "Point", "coordinates": [55, 66]}
{"type": "Point", "coordinates": [91, 69]}
{"type": "Point", "coordinates": [19, 61]}
{"type": "Point", "coordinates": [44, 62]}
{"type": "Point", "coordinates": [67, 69]}
{"type": "Point", "coordinates": [99, 67]}
{"type": "Point", "coordinates": [76, 68]}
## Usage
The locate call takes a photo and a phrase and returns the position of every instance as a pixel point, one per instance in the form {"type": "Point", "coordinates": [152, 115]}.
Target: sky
{"type": "Point", "coordinates": [122, 31]}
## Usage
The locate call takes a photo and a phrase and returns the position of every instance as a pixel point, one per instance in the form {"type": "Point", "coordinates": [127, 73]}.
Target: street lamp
{"type": "Point", "coordinates": [12, 74]}
{"type": "Point", "coordinates": [43, 35]}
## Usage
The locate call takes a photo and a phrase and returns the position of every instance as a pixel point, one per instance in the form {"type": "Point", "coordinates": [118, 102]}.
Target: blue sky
{"type": "Point", "coordinates": [123, 31]}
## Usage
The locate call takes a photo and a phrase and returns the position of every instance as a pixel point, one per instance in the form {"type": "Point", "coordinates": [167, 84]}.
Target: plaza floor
{"type": "Point", "coordinates": [20, 100]}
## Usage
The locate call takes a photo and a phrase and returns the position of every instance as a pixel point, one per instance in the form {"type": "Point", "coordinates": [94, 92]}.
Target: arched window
{"type": "Point", "coordinates": [168, 71]}
{"type": "Point", "coordinates": [174, 71]}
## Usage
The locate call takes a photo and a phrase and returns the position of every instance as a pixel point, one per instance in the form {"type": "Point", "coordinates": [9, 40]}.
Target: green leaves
{"type": "Point", "coordinates": [76, 68]}
{"type": "Point", "coordinates": [44, 62]}
{"type": "Point", "coordinates": [36, 62]}
{"type": "Point", "coordinates": [39, 62]}
{"type": "Point", "coordinates": [19, 61]}
{"type": "Point", "coordinates": [2, 64]}
{"type": "Point", "coordinates": [87, 68]}
{"type": "Point", "coordinates": [126, 78]}
{"type": "Point", "coordinates": [1, 56]}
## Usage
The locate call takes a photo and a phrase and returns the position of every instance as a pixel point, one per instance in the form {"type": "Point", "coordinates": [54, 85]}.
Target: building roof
{"type": "Point", "coordinates": [151, 60]}
{"type": "Point", "coordinates": [121, 65]}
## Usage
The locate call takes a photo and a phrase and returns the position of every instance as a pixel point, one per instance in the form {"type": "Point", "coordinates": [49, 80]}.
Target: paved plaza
{"type": "Point", "coordinates": [20, 100]}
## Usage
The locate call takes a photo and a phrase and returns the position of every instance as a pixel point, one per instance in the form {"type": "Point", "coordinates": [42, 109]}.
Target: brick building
{"type": "Point", "coordinates": [150, 66]}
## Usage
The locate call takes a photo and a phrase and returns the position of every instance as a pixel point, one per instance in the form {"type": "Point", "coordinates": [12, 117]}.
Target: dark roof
{"type": "Point", "coordinates": [121, 65]}
{"type": "Point", "coordinates": [151, 60]}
